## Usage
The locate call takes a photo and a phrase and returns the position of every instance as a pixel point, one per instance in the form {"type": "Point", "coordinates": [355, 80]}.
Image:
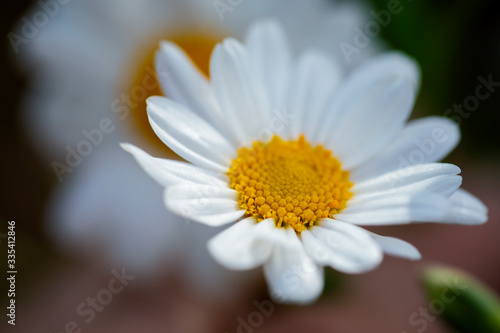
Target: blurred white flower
{"type": "Point", "coordinates": [300, 157]}
{"type": "Point", "coordinates": [93, 51]}
{"type": "Point", "coordinates": [93, 62]}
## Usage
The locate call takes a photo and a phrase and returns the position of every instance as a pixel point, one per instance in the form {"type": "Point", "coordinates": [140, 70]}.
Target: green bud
{"type": "Point", "coordinates": [465, 303]}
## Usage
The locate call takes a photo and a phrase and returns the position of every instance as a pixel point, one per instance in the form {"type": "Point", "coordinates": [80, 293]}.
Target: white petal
{"type": "Point", "coordinates": [311, 88]}
{"type": "Point", "coordinates": [169, 172]}
{"type": "Point", "coordinates": [444, 185]}
{"type": "Point", "coordinates": [237, 248]}
{"type": "Point", "coordinates": [396, 209]}
{"type": "Point", "coordinates": [437, 178]}
{"type": "Point", "coordinates": [267, 231]}
{"type": "Point", "coordinates": [239, 92]}
{"type": "Point", "coordinates": [343, 246]}
{"type": "Point", "coordinates": [352, 92]}
{"type": "Point", "coordinates": [368, 117]}
{"type": "Point", "coordinates": [291, 275]}
{"type": "Point", "coordinates": [211, 205]}
{"type": "Point", "coordinates": [406, 176]}
{"type": "Point", "coordinates": [188, 135]}
{"type": "Point", "coordinates": [465, 208]}
{"type": "Point", "coordinates": [397, 247]}
{"type": "Point", "coordinates": [269, 52]}
{"type": "Point", "coordinates": [422, 141]}
{"type": "Point", "coordinates": [183, 82]}
{"type": "Point", "coordinates": [392, 63]}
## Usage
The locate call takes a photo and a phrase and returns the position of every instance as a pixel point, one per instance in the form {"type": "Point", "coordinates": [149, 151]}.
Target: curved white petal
{"type": "Point", "coordinates": [237, 248]}
{"type": "Point", "coordinates": [188, 135]}
{"type": "Point", "coordinates": [465, 208]}
{"type": "Point", "coordinates": [368, 117]}
{"type": "Point", "coordinates": [437, 178]}
{"type": "Point", "coordinates": [444, 185]}
{"type": "Point", "coordinates": [406, 176]}
{"type": "Point", "coordinates": [343, 246]}
{"type": "Point", "coordinates": [183, 82]}
{"type": "Point", "coordinates": [168, 172]}
{"type": "Point", "coordinates": [311, 87]}
{"type": "Point", "coordinates": [424, 140]}
{"type": "Point", "coordinates": [291, 275]}
{"type": "Point", "coordinates": [211, 205]}
{"type": "Point", "coordinates": [239, 91]}
{"type": "Point", "coordinates": [270, 55]}
{"type": "Point", "coordinates": [396, 209]}
{"type": "Point", "coordinates": [397, 247]}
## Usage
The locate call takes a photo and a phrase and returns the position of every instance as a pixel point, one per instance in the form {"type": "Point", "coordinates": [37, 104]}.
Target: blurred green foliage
{"type": "Point", "coordinates": [465, 303]}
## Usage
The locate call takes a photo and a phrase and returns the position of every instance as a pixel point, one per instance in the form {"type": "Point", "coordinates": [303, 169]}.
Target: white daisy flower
{"type": "Point", "coordinates": [300, 158]}
{"type": "Point", "coordinates": [94, 60]}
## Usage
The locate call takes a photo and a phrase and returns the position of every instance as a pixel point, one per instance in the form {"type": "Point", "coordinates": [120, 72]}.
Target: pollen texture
{"type": "Point", "coordinates": [290, 181]}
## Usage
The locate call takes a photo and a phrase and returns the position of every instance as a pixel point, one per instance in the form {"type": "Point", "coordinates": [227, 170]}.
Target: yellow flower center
{"type": "Point", "coordinates": [290, 181]}
{"type": "Point", "coordinates": [146, 84]}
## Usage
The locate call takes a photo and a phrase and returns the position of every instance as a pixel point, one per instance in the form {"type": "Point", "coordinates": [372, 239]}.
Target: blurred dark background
{"type": "Point", "coordinates": [25, 181]}
{"type": "Point", "coordinates": [455, 42]}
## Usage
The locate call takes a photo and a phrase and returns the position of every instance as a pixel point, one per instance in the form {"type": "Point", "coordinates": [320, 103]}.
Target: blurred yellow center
{"type": "Point", "coordinates": [290, 181]}
{"type": "Point", "coordinates": [198, 48]}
